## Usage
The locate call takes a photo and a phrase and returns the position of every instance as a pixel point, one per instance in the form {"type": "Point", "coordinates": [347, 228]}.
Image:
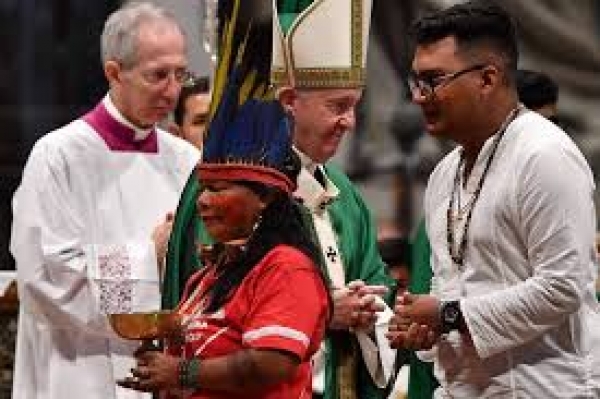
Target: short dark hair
{"type": "Point", "coordinates": [536, 89]}
{"type": "Point", "coordinates": [472, 23]}
{"type": "Point", "coordinates": [195, 85]}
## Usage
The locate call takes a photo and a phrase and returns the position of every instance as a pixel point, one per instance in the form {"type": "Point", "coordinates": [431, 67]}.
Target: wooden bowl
{"type": "Point", "coordinates": [144, 325]}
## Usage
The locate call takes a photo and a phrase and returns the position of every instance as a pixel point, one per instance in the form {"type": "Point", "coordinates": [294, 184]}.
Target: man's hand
{"type": "Point", "coordinates": [416, 322]}
{"type": "Point", "coordinates": [356, 306]}
{"type": "Point", "coordinates": [420, 309]}
{"type": "Point", "coordinates": [160, 236]}
{"type": "Point", "coordinates": [413, 337]}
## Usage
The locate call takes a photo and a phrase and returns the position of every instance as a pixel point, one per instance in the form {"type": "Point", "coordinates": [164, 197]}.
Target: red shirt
{"type": "Point", "coordinates": [281, 304]}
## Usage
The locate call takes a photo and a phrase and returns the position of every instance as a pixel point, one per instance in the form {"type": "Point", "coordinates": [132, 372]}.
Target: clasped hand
{"type": "Point", "coordinates": [416, 322]}
{"type": "Point", "coordinates": [355, 306]}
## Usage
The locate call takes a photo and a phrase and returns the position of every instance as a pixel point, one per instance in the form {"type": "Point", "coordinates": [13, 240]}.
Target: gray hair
{"type": "Point", "coordinates": [120, 34]}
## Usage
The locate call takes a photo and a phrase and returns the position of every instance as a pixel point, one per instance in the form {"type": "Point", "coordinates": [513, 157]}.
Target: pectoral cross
{"type": "Point", "coordinates": [331, 254]}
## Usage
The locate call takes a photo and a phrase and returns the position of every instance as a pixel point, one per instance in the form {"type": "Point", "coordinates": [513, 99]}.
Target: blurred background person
{"type": "Point", "coordinates": [191, 112]}
{"type": "Point", "coordinates": [395, 252]}
{"type": "Point", "coordinates": [538, 92]}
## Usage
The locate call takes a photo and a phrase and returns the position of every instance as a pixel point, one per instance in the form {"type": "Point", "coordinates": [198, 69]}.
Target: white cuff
{"type": "Point", "coordinates": [125, 277]}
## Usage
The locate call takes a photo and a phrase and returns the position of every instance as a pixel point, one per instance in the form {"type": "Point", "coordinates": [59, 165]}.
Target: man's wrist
{"type": "Point", "coordinates": [451, 317]}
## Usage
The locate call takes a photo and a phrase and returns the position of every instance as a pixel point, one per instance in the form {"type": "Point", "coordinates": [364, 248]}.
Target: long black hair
{"type": "Point", "coordinates": [282, 223]}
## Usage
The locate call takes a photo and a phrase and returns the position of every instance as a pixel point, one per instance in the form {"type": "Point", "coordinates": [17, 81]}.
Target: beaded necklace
{"type": "Point", "coordinates": [458, 254]}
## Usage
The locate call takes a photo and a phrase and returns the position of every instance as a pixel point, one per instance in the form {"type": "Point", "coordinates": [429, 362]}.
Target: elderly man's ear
{"type": "Point", "coordinates": [287, 96]}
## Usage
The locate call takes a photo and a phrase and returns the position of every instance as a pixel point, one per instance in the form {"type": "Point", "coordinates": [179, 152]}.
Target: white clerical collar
{"type": "Point", "coordinates": [314, 196]}
{"type": "Point", "coordinates": [140, 134]}
{"type": "Point", "coordinates": [307, 163]}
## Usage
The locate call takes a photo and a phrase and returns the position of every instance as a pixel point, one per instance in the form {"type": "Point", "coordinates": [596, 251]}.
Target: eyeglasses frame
{"type": "Point", "coordinates": [427, 86]}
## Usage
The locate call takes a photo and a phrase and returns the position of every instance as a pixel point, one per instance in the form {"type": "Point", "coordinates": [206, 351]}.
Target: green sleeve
{"type": "Point", "coordinates": [357, 234]}
{"type": "Point", "coordinates": [421, 382]}
{"type": "Point", "coordinates": [355, 230]}
{"type": "Point", "coordinates": [420, 273]}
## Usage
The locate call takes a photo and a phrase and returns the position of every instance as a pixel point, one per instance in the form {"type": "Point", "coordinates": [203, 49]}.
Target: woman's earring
{"type": "Point", "coordinates": [257, 223]}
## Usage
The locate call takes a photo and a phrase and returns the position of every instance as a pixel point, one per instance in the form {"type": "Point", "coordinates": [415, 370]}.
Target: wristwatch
{"type": "Point", "coordinates": [451, 316]}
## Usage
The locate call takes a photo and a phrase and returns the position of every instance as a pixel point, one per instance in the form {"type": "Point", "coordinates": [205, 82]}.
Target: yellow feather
{"type": "Point", "coordinates": [224, 63]}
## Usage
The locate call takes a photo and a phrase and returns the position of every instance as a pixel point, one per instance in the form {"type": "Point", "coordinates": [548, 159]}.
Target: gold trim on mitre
{"type": "Point", "coordinates": [325, 47]}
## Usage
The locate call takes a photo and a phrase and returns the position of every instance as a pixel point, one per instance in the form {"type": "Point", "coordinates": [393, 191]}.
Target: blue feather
{"type": "Point", "coordinates": [257, 131]}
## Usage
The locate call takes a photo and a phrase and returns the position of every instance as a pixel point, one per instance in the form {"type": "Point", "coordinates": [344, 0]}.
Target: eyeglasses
{"type": "Point", "coordinates": [200, 83]}
{"type": "Point", "coordinates": [427, 85]}
{"type": "Point", "coordinates": [160, 76]}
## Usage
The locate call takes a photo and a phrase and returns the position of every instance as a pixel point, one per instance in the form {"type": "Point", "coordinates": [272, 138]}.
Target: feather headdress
{"type": "Point", "coordinates": [249, 134]}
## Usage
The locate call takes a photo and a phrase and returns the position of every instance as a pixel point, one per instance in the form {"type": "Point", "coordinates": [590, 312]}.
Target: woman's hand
{"type": "Point", "coordinates": [155, 371]}
{"type": "Point", "coordinates": [160, 236]}
{"type": "Point", "coordinates": [251, 369]}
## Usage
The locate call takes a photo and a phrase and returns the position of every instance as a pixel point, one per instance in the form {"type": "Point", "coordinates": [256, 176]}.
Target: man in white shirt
{"type": "Point", "coordinates": [510, 216]}
{"type": "Point", "coordinates": [91, 211]}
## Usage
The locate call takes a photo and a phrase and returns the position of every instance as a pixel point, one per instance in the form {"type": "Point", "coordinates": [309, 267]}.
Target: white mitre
{"type": "Point", "coordinates": [325, 46]}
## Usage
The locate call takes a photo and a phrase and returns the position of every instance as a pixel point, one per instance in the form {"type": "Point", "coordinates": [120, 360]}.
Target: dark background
{"type": "Point", "coordinates": [50, 73]}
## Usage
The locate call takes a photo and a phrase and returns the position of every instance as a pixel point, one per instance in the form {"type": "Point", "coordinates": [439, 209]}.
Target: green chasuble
{"type": "Point", "coordinates": [288, 10]}
{"type": "Point", "coordinates": [421, 382]}
{"type": "Point", "coordinates": [356, 238]}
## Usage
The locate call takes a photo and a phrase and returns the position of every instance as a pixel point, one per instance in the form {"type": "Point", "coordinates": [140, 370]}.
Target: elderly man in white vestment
{"type": "Point", "coordinates": [318, 65]}
{"type": "Point", "coordinates": [95, 197]}
{"type": "Point", "coordinates": [509, 213]}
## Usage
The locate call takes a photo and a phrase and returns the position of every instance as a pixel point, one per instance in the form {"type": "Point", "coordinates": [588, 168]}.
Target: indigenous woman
{"type": "Point", "coordinates": [257, 311]}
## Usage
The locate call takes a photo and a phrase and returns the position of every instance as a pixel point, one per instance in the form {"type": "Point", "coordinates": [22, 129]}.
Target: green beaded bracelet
{"type": "Point", "coordinates": [189, 373]}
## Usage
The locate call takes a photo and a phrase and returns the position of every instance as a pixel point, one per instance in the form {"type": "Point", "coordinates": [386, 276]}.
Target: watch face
{"type": "Point", "coordinates": [450, 314]}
